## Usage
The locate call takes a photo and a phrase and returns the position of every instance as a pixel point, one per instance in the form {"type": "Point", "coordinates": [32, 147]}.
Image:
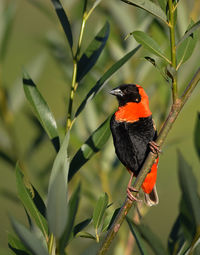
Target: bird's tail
{"type": "Point", "coordinates": [152, 198]}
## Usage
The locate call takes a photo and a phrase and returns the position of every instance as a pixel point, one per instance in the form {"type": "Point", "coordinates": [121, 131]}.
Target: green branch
{"type": "Point", "coordinates": [172, 9]}
{"type": "Point", "coordinates": [175, 110]}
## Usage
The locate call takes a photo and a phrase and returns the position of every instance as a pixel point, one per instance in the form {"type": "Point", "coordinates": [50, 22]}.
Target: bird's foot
{"type": "Point", "coordinates": [130, 196]}
{"type": "Point", "coordinates": [154, 147]}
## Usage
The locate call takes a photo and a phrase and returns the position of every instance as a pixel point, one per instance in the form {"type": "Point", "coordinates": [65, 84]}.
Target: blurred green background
{"type": "Point", "coordinates": [33, 45]}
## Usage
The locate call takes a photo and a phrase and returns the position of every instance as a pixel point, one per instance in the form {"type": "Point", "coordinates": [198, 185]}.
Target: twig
{"type": "Point", "coordinates": [175, 110]}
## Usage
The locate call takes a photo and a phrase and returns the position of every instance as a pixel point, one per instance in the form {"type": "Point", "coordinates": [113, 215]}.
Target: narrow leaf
{"type": "Point", "coordinates": [41, 109]}
{"type": "Point", "coordinates": [176, 238]}
{"type": "Point", "coordinates": [104, 79]}
{"type": "Point", "coordinates": [149, 43]}
{"type": "Point", "coordinates": [189, 32]}
{"type": "Point", "coordinates": [137, 236]}
{"type": "Point", "coordinates": [31, 201]}
{"type": "Point", "coordinates": [29, 239]}
{"type": "Point", "coordinates": [152, 240]}
{"type": "Point", "coordinates": [57, 207]}
{"type": "Point", "coordinates": [73, 207]}
{"type": "Point", "coordinates": [91, 146]}
{"type": "Point", "coordinates": [99, 210]}
{"type": "Point", "coordinates": [186, 48]}
{"type": "Point", "coordinates": [92, 53]}
{"type": "Point", "coordinates": [16, 245]}
{"type": "Point", "coordinates": [80, 226]}
{"type": "Point", "coordinates": [64, 21]}
{"type": "Point", "coordinates": [150, 7]}
{"type": "Point", "coordinates": [197, 135]}
{"type": "Point", "coordinates": [86, 235]}
{"type": "Point", "coordinates": [8, 19]}
{"type": "Point", "coordinates": [189, 189]}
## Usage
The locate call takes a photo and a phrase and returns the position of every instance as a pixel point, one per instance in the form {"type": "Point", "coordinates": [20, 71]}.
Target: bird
{"type": "Point", "coordinates": [134, 134]}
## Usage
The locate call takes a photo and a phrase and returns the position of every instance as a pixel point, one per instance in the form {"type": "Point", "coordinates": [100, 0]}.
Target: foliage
{"type": "Point", "coordinates": [88, 59]}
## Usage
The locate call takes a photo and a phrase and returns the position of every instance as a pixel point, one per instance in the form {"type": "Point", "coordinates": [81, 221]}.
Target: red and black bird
{"type": "Point", "coordinates": [134, 132]}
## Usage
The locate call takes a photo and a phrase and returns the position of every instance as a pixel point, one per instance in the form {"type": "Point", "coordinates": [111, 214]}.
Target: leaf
{"type": "Point", "coordinates": [80, 226]}
{"type": "Point", "coordinates": [42, 110]}
{"type": "Point", "coordinates": [86, 235]}
{"type": "Point", "coordinates": [152, 240]}
{"type": "Point", "coordinates": [31, 201]}
{"type": "Point", "coordinates": [104, 79]}
{"type": "Point", "coordinates": [176, 238]}
{"type": "Point", "coordinates": [189, 189]}
{"type": "Point", "coordinates": [163, 4]}
{"type": "Point", "coordinates": [16, 245]}
{"type": "Point", "coordinates": [91, 146]}
{"type": "Point", "coordinates": [64, 21]}
{"type": "Point", "coordinates": [99, 210]}
{"type": "Point", "coordinates": [8, 20]}
{"type": "Point", "coordinates": [57, 207]}
{"type": "Point", "coordinates": [186, 48]}
{"type": "Point", "coordinates": [150, 7]}
{"type": "Point", "coordinates": [92, 53]}
{"type": "Point", "coordinates": [137, 237]}
{"type": "Point", "coordinates": [73, 207]}
{"type": "Point", "coordinates": [189, 32]}
{"type": "Point", "coordinates": [29, 239]}
{"type": "Point", "coordinates": [197, 135]}
{"type": "Point", "coordinates": [149, 43]}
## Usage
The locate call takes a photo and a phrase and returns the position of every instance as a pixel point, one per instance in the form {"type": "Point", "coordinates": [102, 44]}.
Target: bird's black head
{"type": "Point", "coordinates": [126, 93]}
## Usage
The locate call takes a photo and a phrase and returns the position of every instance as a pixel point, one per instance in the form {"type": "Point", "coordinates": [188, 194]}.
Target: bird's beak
{"type": "Point", "coordinates": [116, 92]}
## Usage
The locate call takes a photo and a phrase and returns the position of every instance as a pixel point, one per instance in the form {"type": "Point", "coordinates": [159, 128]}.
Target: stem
{"type": "Point", "coordinates": [175, 110]}
{"type": "Point", "coordinates": [173, 48]}
{"type": "Point", "coordinates": [71, 99]}
{"type": "Point", "coordinates": [50, 244]}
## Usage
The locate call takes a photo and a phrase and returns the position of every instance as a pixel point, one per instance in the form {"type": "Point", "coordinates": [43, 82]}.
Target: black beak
{"type": "Point", "coordinates": [116, 92]}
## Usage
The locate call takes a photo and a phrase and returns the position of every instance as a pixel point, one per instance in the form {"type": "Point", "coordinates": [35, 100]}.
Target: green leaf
{"type": "Point", "coordinates": [31, 201]}
{"type": "Point", "coordinates": [137, 237]}
{"type": "Point", "coordinates": [7, 19]}
{"type": "Point", "coordinates": [86, 235]}
{"type": "Point", "coordinates": [189, 189]}
{"type": "Point", "coordinates": [186, 47]}
{"type": "Point", "coordinates": [57, 207]}
{"type": "Point", "coordinates": [176, 238]}
{"type": "Point", "coordinates": [189, 32]}
{"type": "Point", "coordinates": [92, 53]}
{"type": "Point", "coordinates": [91, 146]}
{"type": "Point", "coordinates": [163, 4]}
{"type": "Point", "coordinates": [149, 43]}
{"type": "Point", "coordinates": [16, 245]}
{"type": "Point", "coordinates": [104, 79]}
{"type": "Point", "coordinates": [150, 7]}
{"type": "Point", "coordinates": [41, 109]}
{"type": "Point", "coordinates": [99, 210]}
{"type": "Point", "coordinates": [64, 21]}
{"type": "Point", "coordinates": [73, 207]}
{"type": "Point", "coordinates": [29, 239]}
{"type": "Point", "coordinates": [152, 240]}
{"type": "Point", "coordinates": [80, 226]}
{"type": "Point", "coordinates": [197, 135]}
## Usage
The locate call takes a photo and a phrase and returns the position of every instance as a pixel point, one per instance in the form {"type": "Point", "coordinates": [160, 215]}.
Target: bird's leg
{"type": "Point", "coordinates": [154, 147]}
{"type": "Point", "coordinates": [130, 189]}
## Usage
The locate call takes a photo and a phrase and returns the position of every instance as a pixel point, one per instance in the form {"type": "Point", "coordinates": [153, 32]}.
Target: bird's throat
{"type": "Point", "coordinates": [132, 112]}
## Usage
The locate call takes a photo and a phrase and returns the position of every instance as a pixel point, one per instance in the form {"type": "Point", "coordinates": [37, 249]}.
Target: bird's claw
{"type": "Point", "coordinates": [130, 196]}
{"type": "Point", "coordinates": [154, 147]}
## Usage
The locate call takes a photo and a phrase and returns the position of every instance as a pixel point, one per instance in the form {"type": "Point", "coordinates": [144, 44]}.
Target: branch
{"type": "Point", "coordinates": [175, 110]}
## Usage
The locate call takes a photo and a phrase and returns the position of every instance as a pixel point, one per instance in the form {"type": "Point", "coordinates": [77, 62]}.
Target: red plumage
{"type": "Point", "coordinates": [133, 131]}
